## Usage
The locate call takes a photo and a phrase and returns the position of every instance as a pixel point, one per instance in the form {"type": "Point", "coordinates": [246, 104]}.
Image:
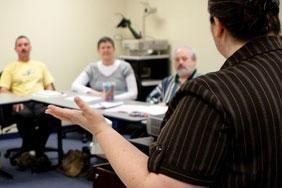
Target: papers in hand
{"type": "Point", "coordinates": [130, 108]}
{"type": "Point", "coordinates": [105, 105]}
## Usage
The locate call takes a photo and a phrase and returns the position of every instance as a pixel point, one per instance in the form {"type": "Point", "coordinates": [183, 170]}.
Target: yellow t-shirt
{"type": "Point", "coordinates": [23, 78]}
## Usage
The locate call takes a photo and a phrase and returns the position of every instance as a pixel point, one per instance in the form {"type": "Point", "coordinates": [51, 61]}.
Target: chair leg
{"type": "Point", "coordinates": [60, 143]}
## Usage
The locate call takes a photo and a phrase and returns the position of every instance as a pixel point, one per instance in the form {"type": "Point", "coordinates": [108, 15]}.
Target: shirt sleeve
{"type": "Point", "coordinates": [6, 78]}
{"type": "Point", "coordinates": [47, 77]}
{"type": "Point", "coordinates": [193, 143]}
{"type": "Point", "coordinates": [156, 94]}
{"type": "Point", "coordinates": [131, 84]}
{"type": "Point", "coordinates": [79, 84]}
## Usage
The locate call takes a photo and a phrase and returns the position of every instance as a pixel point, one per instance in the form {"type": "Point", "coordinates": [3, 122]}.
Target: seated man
{"type": "Point", "coordinates": [23, 77]}
{"type": "Point", "coordinates": [185, 66]}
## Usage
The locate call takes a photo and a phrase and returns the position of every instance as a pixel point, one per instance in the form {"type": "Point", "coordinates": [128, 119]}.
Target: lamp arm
{"type": "Point", "coordinates": [134, 33]}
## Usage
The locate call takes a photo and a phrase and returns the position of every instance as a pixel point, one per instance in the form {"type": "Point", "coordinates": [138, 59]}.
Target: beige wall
{"type": "Point", "coordinates": [63, 32]}
{"type": "Point", "coordinates": [182, 22]}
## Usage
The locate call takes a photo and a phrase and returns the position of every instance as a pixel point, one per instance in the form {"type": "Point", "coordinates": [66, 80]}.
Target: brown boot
{"type": "Point", "coordinates": [25, 161]}
{"type": "Point", "coordinates": [41, 164]}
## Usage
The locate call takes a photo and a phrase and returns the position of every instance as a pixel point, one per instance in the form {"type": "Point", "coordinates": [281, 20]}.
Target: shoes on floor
{"type": "Point", "coordinates": [25, 160]}
{"type": "Point", "coordinates": [13, 159]}
{"type": "Point", "coordinates": [41, 164]}
{"type": "Point", "coordinates": [28, 160]}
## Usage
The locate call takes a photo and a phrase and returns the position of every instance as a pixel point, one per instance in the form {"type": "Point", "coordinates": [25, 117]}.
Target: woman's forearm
{"type": "Point", "coordinates": [128, 162]}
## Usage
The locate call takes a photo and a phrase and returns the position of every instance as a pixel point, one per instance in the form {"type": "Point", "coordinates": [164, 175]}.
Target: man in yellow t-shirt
{"type": "Point", "coordinates": [23, 77]}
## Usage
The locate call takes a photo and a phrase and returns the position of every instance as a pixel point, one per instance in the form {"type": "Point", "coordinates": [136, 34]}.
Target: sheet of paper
{"type": "Point", "coordinates": [111, 104]}
{"type": "Point", "coordinates": [96, 106]}
{"type": "Point", "coordinates": [47, 93]}
{"type": "Point", "coordinates": [106, 105]}
{"type": "Point", "coordinates": [129, 108]}
{"type": "Point", "coordinates": [85, 98]}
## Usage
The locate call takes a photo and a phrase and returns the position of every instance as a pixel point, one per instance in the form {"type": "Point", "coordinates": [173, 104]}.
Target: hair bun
{"type": "Point", "coordinates": [268, 6]}
{"type": "Point", "coordinates": [247, 19]}
{"type": "Point", "coordinates": [271, 6]}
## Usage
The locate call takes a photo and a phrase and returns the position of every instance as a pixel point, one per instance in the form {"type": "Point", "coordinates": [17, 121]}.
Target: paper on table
{"type": "Point", "coordinates": [47, 93]}
{"type": "Point", "coordinates": [86, 98]}
{"type": "Point", "coordinates": [106, 105]}
{"type": "Point", "coordinates": [129, 108]}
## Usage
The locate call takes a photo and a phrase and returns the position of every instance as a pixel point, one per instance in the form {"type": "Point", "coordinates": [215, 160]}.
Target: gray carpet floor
{"type": "Point", "coordinates": [48, 179]}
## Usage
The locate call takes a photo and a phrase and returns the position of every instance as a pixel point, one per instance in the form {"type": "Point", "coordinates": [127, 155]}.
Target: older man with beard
{"type": "Point", "coordinates": [185, 66]}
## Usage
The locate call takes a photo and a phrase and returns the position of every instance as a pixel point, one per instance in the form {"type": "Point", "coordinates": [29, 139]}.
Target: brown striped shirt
{"type": "Point", "coordinates": [224, 129]}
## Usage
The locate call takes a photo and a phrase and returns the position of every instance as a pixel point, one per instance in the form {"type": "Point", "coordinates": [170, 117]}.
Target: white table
{"type": "Point", "coordinates": [63, 100]}
{"type": "Point", "coordinates": [7, 98]}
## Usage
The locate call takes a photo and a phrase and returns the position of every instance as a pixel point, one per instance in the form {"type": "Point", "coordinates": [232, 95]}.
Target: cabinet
{"type": "Point", "coordinates": [149, 71]}
{"type": "Point", "coordinates": [104, 176]}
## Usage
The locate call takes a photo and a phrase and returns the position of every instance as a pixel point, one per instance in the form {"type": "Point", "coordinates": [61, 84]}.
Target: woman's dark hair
{"type": "Point", "coordinates": [105, 39]}
{"type": "Point", "coordinates": [246, 19]}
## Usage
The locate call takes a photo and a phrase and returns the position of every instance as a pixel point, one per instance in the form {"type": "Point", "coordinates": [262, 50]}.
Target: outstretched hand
{"type": "Point", "coordinates": [86, 117]}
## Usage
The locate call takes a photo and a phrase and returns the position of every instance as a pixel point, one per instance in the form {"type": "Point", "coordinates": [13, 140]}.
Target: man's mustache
{"type": "Point", "coordinates": [23, 51]}
{"type": "Point", "coordinates": [181, 67]}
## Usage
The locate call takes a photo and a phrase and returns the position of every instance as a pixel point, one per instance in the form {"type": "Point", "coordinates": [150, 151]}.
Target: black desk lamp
{"type": "Point", "coordinates": [126, 23]}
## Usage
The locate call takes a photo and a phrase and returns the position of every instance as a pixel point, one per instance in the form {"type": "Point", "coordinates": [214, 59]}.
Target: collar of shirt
{"type": "Point", "coordinates": [260, 44]}
{"type": "Point", "coordinates": [108, 70]}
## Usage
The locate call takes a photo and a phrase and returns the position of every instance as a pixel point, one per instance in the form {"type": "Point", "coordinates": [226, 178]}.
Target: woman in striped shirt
{"type": "Point", "coordinates": [223, 129]}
